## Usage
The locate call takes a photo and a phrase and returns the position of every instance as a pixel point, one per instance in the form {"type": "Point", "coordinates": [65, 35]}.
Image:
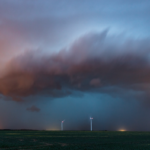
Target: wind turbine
{"type": "Point", "coordinates": [91, 122]}
{"type": "Point", "coordinates": [62, 122]}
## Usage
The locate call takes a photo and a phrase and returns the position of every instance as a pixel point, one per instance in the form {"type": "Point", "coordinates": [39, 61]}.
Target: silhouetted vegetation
{"type": "Point", "coordinates": [74, 140]}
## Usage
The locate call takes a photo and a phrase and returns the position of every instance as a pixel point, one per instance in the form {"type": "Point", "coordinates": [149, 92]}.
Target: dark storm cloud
{"type": "Point", "coordinates": [105, 75]}
{"type": "Point", "coordinates": [95, 62]}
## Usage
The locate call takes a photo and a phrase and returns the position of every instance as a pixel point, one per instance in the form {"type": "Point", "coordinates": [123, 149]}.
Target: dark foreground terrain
{"type": "Point", "coordinates": [74, 140]}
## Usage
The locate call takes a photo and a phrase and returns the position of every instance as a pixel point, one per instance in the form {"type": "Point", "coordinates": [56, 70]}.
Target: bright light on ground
{"type": "Point", "coordinates": [52, 129]}
{"type": "Point", "coordinates": [122, 130]}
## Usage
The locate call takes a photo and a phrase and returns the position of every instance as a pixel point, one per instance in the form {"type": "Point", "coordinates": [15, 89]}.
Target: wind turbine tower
{"type": "Point", "coordinates": [62, 122]}
{"type": "Point", "coordinates": [91, 122]}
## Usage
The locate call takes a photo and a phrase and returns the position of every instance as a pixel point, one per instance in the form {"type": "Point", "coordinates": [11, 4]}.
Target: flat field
{"type": "Point", "coordinates": [74, 140]}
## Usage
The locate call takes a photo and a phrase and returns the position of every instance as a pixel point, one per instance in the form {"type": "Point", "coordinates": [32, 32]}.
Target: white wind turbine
{"type": "Point", "coordinates": [91, 122]}
{"type": "Point", "coordinates": [62, 122]}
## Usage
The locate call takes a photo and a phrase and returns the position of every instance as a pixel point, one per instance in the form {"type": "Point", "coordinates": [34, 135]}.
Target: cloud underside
{"type": "Point", "coordinates": [95, 62]}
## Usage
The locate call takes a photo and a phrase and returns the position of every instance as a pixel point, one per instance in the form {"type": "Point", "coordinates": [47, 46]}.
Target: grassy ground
{"type": "Point", "coordinates": [74, 140]}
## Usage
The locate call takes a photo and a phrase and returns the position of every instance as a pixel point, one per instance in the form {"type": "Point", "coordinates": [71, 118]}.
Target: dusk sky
{"type": "Point", "coordinates": [75, 59]}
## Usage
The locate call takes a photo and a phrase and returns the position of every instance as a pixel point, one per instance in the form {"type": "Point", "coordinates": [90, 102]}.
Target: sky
{"type": "Point", "coordinates": [71, 60]}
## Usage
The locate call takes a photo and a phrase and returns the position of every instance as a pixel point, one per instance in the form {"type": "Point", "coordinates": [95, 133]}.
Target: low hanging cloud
{"type": "Point", "coordinates": [33, 109]}
{"type": "Point", "coordinates": [96, 62]}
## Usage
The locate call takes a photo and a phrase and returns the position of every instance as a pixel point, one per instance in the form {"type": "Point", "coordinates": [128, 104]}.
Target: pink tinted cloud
{"type": "Point", "coordinates": [95, 82]}
{"type": "Point", "coordinates": [93, 59]}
